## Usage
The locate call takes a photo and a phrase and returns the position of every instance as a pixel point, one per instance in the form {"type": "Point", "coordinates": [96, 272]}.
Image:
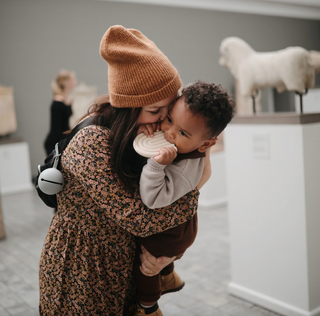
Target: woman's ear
{"type": "Point", "coordinates": [207, 144]}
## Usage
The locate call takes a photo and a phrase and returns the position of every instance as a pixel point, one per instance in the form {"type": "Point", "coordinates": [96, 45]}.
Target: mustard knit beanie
{"type": "Point", "coordinates": [139, 74]}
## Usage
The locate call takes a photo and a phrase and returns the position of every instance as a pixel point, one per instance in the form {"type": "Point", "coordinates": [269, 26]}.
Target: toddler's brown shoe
{"type": "Point", "coordinates": [171, 283]}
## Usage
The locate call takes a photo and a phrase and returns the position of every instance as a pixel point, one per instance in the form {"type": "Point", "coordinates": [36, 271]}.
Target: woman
{"type": "Point", "coordinates": [60, 110]}
{"type": "Point", "coordinates": [87, 258]}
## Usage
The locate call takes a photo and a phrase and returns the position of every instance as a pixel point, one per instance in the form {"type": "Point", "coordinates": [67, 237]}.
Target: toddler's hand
{"type": "Point", "coordinates": [166, 155]}
{"type": "Point", "coordinates": [149, 129]}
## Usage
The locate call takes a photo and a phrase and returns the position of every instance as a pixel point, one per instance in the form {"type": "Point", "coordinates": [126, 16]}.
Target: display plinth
{"type": "Point", "coordinates": [2, 231]}
{"type": "Point", "coordinates": [273, 181]}
{"type": "Point", "coordinates": [15, 171]}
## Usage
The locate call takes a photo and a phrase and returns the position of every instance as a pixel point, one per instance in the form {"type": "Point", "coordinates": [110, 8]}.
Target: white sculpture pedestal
{"type": "Point", "coordinates": [273, 181]}
{"type": "Point", "coordinates": [15, 170]}
{"type": "Point", "coordinates": [2, 230]}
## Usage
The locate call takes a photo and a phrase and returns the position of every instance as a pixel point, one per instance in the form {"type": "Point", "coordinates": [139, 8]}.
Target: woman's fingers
{"type": "Point", "coordinates": [151, 265]}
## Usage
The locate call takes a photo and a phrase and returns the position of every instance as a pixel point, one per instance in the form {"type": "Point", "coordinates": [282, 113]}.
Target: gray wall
{"type": "Point", "coordinates": [39, 37]}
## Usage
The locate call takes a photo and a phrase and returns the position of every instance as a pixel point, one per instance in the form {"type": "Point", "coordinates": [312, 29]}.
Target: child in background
{"type": "Point", "coordinates": [193, 123]}
{"type": "Point", "coordinates": [61, 108]}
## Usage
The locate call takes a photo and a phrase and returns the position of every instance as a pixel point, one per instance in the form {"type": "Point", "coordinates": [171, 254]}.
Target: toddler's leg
{"type": "Point", "coordinates": [170, 280]}
{"type": "Point", "coordinates": [148, 290]}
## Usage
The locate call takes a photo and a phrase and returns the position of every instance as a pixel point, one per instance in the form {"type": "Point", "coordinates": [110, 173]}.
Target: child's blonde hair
{"type": "Point", "coordinates": [59, 84]}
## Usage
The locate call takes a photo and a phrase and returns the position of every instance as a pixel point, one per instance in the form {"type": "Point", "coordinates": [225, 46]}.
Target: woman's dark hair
{"type": "Point", "coordinates": [125, 162]}
{"type": "Point", "coordinates": [212, 102]}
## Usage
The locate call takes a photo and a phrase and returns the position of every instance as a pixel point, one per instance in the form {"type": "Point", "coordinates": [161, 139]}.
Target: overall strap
{"type": "Point", "coordinates": [192, 155]}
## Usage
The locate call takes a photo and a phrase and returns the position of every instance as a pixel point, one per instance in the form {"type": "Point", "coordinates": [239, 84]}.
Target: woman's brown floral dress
{"type": "Point", "coordinates": [87, 257]}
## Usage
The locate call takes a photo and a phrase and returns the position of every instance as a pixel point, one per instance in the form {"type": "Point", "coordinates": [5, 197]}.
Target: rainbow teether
{"type": "Point", "coordinates": [149, 146]}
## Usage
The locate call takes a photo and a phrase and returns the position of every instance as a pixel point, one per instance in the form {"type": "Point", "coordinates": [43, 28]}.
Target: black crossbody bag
{"type": "Point", "coordinates": [49, 180]}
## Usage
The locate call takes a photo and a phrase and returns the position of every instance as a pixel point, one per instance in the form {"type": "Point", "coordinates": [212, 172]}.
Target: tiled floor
{"type": "Point", "coordinates": [204, 267]}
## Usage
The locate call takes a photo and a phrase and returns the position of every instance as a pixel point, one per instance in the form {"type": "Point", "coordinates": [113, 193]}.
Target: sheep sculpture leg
{"type": "Point", "coordinates": [301, 101]}
{"type": "Point", "coordinates": [254, 101]}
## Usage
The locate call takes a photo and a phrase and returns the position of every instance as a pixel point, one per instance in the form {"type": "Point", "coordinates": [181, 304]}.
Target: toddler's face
{"type": "Point", "coordinates": [185, 130]}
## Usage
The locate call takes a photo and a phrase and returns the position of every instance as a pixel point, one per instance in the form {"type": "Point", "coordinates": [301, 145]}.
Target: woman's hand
{"type": "Point", "coordinates": [148, 129]}
{"type": "Point", "coordinates": [150, 265]}
{"type": "Point", "coordinates": [206, 170]}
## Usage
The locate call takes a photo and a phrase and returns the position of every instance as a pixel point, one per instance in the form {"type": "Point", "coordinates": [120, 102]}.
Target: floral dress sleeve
{"type": "Point", "coordinates": [91, 184]}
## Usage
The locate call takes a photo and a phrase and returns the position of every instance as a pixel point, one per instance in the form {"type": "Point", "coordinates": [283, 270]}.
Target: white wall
{"type": "Point", "coordinates": [38, 38]}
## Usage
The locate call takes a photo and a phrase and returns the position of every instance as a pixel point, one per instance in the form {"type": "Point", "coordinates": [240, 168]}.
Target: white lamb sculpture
{"type": "Point", "coordinates": [287, 69]}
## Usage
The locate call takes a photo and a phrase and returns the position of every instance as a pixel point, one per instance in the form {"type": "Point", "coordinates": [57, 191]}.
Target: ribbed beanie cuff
{"type": "Point", "coordinates": [139, 74]}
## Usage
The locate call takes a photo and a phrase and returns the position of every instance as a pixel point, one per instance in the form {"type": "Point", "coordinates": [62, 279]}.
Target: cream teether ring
{"type": "Point", "coordinates": [149, 146]}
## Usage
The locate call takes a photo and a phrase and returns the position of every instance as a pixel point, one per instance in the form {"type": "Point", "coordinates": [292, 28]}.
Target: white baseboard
{"type": "Point", "coordinates": [269, 302]}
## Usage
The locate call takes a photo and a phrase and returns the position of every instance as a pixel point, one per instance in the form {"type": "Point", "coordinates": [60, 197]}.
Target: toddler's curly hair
{"type": "Point", "coordinates": [212, 102]}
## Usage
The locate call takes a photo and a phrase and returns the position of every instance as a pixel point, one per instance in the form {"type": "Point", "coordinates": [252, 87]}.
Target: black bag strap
{"type": "Point", "coordinates": [88, 121]}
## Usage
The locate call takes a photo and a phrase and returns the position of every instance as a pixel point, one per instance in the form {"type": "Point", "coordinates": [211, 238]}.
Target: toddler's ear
{"type": "Point", "coordinates": [207, 144]}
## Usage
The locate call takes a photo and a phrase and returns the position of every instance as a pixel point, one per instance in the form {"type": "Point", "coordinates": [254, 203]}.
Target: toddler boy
{"type": "Point", "coordinates": [193, 123]}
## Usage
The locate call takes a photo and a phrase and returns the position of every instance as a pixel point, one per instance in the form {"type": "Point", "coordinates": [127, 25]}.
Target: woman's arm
{"type": "Point", "coordinates": [86, 161]}
{"type": "Point", "coordinates": [206, 170]}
